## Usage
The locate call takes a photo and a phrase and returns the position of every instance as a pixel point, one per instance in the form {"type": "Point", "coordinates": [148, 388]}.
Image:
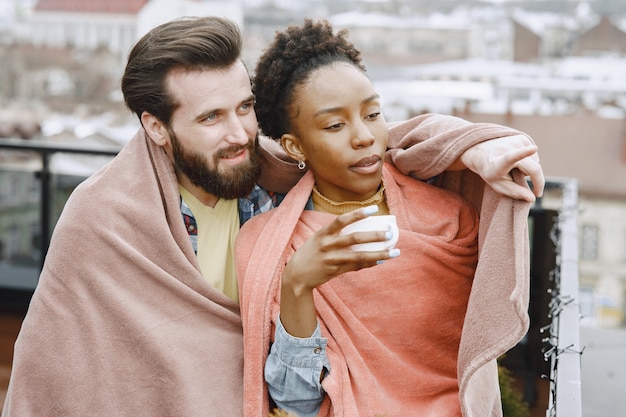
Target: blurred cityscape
{"type": "Point", "coordinates": [555, 69]}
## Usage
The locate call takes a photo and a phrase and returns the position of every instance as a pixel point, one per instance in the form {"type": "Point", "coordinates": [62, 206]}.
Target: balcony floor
{"type": "Point", "coordinates": [9, 327]}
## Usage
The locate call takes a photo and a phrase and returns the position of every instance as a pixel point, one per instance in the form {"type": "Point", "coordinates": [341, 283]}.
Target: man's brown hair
{"type": "Point", "coordinates": [190, 44]}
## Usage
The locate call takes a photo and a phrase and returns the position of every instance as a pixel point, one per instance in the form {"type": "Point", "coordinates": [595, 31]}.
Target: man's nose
{"type": "Point", "coordinates": [236, 133]}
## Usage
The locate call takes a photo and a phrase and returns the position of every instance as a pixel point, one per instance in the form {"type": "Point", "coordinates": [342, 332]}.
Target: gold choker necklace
{"type": "Point", "coordinates": [323, 203]}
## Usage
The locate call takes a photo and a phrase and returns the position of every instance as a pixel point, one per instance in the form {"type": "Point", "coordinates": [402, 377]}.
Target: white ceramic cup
{"type": "Point", "coordinates": [374, 223]}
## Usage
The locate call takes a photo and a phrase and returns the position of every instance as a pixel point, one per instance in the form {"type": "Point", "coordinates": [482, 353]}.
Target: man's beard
{"type": "Point", "coordinates": [236, 183]}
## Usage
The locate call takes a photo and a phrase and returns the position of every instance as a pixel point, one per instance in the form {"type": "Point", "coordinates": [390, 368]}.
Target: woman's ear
{"type": "Point", "coordinates": [155, 128]}
{"type": "Point", "coordinates": [291, 145]}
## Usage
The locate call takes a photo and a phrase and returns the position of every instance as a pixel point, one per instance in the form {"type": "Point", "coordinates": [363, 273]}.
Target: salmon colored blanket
{"type": "Point", "coordinates": [363, 380]}
{"type": "Point", "coordinates": [393, 330]}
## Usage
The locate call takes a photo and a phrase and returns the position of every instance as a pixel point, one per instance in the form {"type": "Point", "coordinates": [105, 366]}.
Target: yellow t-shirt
{"type": "Point", "coordinates": [217, 230]}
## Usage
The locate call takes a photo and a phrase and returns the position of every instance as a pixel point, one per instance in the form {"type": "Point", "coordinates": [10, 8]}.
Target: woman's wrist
{"type": "Point", "coordinates": [297, 307]}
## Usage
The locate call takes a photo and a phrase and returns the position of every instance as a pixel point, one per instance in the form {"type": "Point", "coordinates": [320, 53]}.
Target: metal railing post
{"type": "Point", "coordinates": [46, 150]}
{"type": "Point", "coordinates": [46, 204]}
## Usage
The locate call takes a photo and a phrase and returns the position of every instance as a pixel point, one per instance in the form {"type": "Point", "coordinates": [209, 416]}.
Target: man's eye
{"type": "Point", "coordinates": [373, 115]}
{"type": "Point", "coordinates": [247, 105]}
{"type": "Point", "coordinates": [211, 117]}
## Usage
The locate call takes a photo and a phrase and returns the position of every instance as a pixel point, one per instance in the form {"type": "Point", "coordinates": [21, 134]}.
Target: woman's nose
{"type": "Point", "coordinates": [362, 136]}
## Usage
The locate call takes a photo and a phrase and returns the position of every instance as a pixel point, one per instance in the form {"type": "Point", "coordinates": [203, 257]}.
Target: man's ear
{"type": "Point", "coordinates": [291, 145]}
{"type": "Point", "coordinates": [155, 128]}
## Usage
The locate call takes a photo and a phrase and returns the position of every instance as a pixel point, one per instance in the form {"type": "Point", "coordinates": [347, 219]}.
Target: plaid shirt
{"type": "Point", "coordinates": [257, 202]}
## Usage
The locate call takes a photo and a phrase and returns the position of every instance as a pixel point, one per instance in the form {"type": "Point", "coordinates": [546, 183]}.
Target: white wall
{"type": "Point", "coordinates": [156, 12]}
{"type": "Point", "coordinates": [603, 367]}
{"type": "Point", "coordinates": [607, 274]}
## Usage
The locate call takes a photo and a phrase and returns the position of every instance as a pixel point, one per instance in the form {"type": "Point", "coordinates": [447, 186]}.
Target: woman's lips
{"type": "Point", "coordinates": [367, 165]}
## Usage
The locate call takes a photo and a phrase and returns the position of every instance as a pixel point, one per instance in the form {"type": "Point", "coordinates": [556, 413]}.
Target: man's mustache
{"type": "Point", "coordinates": [232, 150]}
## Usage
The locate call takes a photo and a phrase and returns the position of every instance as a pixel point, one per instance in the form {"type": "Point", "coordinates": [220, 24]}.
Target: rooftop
{"type": "Point", "coordinates": [90, 6]}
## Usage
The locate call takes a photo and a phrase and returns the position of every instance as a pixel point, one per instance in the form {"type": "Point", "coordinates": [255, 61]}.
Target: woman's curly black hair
{"type": "Point", "coordinates": [288, 62]}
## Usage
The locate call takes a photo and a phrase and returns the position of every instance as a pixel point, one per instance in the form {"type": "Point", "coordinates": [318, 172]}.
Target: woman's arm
{"type": "Point", "coordinates": [294, 369]}
{"type": "Point", "coordinates": [297, 355]}
{"type": "Point", "coordinates": [426, 146]}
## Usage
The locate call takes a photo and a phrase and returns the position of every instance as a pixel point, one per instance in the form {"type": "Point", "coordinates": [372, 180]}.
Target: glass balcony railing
{"type": "Point", "coordinates": [36, 178]}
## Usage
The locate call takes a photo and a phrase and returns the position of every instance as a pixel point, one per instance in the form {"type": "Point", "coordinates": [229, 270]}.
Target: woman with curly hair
{"type": "Point", "coordinates": [332, 331]}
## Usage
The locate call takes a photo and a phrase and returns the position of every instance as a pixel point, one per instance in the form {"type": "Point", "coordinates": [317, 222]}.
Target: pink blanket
{"type": "Point", "coordinates": [131, 328]}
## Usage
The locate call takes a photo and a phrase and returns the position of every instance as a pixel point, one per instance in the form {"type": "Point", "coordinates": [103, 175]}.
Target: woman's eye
{"type": "Point", "coordinates": [373, 115]}
{"type": "Point", "coordinates": [334, 126]}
